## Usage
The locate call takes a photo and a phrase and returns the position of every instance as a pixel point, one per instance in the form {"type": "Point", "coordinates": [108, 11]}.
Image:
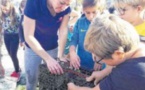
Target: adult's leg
{"type": "Point", "coordinates": [32, 62]}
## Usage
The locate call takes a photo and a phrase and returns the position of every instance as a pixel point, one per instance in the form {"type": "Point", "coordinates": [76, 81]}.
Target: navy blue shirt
{"type": "Point", "coordinates": [129, 75]}
{"type": "Point", "coordinates": [46, 25]}
{"type": "Point", "coordinates": [79, 33]}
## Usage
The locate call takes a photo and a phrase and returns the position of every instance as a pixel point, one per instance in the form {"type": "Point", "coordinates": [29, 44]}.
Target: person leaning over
{"type": "Point", "coordinates": [42, 20]}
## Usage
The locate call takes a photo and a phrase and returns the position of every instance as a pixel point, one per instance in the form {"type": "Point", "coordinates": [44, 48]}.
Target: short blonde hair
{"type": "Point", "coordinates": [108, 33]}
{"type": "Point", "coordinates": [131, 2]}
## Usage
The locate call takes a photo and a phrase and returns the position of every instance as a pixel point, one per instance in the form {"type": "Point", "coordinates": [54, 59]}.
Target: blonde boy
{"type": "Point", "coordinates": [132, 11]}
{"type": "Point", "coordinates": [116, 43]}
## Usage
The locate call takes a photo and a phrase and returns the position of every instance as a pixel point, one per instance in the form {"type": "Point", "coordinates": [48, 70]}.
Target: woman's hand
{"type": "Point", "coordinates": [54, 66]}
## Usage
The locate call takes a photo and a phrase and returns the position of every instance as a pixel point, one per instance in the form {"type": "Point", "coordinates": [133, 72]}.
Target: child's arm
{"type": "Point", "coordinates": [95, 75]}
{"type": "Point", "coordinates": [71, 86]}
{"type": "Point", "coordinates": [74, 58]}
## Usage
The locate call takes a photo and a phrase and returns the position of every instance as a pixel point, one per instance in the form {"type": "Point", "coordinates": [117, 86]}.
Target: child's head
{"type": "Point", "coordinates": [130, 10]}
{"type": "Point", "coordinates": [7, 9]}
{"type": "Point", "coordinates": [108, 35]}
{"type": "Point", "coordinates": [91, 8]}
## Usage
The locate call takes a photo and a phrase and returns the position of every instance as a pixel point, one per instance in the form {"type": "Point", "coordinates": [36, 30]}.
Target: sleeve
{"type": "Point", "coordinates": [21, 33]}
{"type": "Point", "coordinates": [75, 37]}
{"type": "Point", "coordinates": [31, 9]}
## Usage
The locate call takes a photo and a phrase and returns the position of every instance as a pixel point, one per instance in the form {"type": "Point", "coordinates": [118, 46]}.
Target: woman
{"type": "Point", "coordinates": [42, 20]}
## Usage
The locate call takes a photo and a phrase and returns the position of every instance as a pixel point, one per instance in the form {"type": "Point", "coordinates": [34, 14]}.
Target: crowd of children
{"type": "Point", "coordinates": [110, 44]}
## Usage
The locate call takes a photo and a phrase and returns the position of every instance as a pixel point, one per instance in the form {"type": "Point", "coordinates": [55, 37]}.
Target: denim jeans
{"type": "Point", "coordinates": [32, 62]}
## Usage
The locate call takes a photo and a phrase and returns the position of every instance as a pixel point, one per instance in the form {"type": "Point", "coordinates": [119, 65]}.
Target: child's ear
{"type": "Point", "coordinates": [119, 53]}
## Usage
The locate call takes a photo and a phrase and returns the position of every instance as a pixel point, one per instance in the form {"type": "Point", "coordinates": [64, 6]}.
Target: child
{"type": "Point", "coordinates": [10, 23]}
{"type": "Point", "coordinates": [21, 34]}
{"type": "Point", "coordinates": [91, 8]}
{"type": "Point", "coordinates": [74, 15]}
{"type": "Point", "coordinates": [132, 11]}
{"type": "Point", "coordinates": [116, 43]}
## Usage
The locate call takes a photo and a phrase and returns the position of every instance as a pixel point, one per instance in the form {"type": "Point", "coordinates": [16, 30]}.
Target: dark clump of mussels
{"type": "Point", "coordinates": [48, 81]}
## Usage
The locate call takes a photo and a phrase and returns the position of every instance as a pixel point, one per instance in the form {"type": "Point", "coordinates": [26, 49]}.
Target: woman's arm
{"type": "Point", "coordinates": [29, 29]}
{"type": "Point", "coordinates": [63, 30]}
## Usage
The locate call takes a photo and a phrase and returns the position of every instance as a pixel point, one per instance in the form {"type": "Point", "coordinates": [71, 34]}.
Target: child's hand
{"type": "Point", "coordinates": [72, 86]}
{"type": "Point", "coordinates": [74, 60]}
{"type": "Point", "coordinates": [97, 76]}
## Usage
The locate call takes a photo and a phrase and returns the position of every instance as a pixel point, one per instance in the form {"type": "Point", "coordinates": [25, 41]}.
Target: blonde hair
{"type": "Point", "coordinates": [108, 33]}
{"type": "Point", "coordinates": [133, 3]}
{"type": "Point", "coordinates": [12, 13]}
{"type": "Point", "coordinates": [100, 4]}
